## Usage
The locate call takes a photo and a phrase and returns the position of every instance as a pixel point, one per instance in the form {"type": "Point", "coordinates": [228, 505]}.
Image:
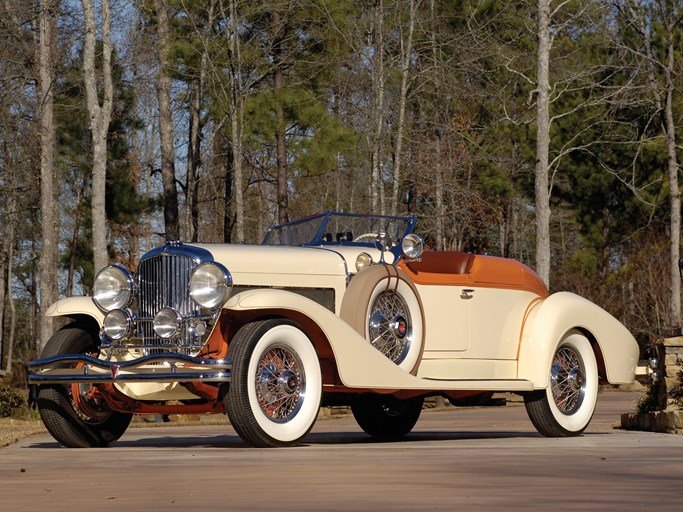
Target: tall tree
{"type": "Point", "coordinates": [542, 192]}
{"type": "Point", "coordinates": [99, 112]}
{"type": "Point", "coordinates": [378, 86]}
{"type": "Point", "coordinates": [237, 94]}
{"type": "Point", "coordinates": [171, 220]}
{"type": "Point", "coordinates": [47, 19]}
{"type": "Point", "coordinates": [406, 57]}
{"type": "Point", "coordinates": [280, 30]}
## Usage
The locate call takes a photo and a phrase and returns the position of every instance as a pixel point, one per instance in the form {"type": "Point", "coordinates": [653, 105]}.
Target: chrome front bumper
{"type": "Point", "coordinates": [168, 367]}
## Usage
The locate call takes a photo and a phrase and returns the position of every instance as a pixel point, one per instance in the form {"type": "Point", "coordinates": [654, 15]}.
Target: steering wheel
{"type": "Point", "coordinates": [366, 237]}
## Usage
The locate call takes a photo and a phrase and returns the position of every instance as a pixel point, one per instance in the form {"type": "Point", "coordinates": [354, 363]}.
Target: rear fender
{"type": "Point", "coordinates": [549, 322]}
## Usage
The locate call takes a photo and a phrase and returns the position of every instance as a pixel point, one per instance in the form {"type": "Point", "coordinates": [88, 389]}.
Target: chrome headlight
{"type": "Point", "coordinates": [117, 324]}
{"type": "Point", "coordinates": [363, 261]}
{"type": "Point", "coordinates": [412, 246]}
{"type": "Point", "coordinates": [210, 284]}
{"type": "Point", "coordinates": [113, 288]}
{"type": "Point", "coordinates": [167, 323]}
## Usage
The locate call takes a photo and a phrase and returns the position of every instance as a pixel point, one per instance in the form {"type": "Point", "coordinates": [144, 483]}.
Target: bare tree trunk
{"type": "Point", "coordinates": [228, 196]}
{"type": "Point", "coordinates": [194, 155]}
{"type": "Point", "coordinates": [80, 193]}
{"type": "Point", "coordinates": [100, 115]}
{"type": "Point", "coordinates": [673, 168]}
{"type": "Point", "coordinates": [406, 55]}
{"type": "Point", "coordinates": [280, 135]}
{"type": "Point", "coordinates": [136, 177]}
{"type": "Point", "coordinates": [236, 120]}
{"type": "Point", "coordinates": [193, 159]}
{"type": "Point", "coordinates": [377, 105]}
{"type": "Point", "coordinates": [543, 143]}
{"type": "Point", "coordinates": [171, 223]}
{"type": "Point", "coordinates": [48, 213]}
{"type": "Point", "coordinates": [438, 169]}
{"type": "Point", "coordinates": [6, 257]}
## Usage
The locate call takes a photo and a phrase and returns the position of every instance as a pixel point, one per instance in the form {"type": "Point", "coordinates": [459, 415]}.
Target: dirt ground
{"type": "Point", "coordinates": [12, 430]}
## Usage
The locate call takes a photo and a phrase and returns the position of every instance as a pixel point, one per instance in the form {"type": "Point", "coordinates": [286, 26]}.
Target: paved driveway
{"type": "Point", "coordinates": [466, 459]}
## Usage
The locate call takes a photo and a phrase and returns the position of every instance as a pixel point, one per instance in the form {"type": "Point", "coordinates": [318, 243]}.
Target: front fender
{"type": "Point", "coordinates": [74, 307]}
{"type": "Point", "coordinates": [359, 364]}
{"type": "Point", "coordinates": [550, 320]}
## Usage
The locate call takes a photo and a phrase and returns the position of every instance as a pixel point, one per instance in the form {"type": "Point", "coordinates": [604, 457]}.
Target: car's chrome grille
{"type": "Point", "coordinates": [163, 282]}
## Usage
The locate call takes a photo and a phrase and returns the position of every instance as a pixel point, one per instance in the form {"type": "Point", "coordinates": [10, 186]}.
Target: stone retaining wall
{"type": "Point", "coordinates": [670, 419]}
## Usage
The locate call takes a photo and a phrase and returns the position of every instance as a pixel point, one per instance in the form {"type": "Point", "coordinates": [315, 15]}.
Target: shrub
{"type": "Point", "coordinates": [9, 400]}
{"type": "Point", "coordinates": [676, 391]}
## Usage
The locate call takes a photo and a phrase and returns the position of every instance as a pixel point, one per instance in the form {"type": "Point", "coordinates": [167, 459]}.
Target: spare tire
{"type": "Point", "coordinates": [383, 306]}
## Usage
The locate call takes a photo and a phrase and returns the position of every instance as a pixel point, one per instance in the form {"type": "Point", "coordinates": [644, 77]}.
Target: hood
{"type": "Point", "coordinates": [251, 264]}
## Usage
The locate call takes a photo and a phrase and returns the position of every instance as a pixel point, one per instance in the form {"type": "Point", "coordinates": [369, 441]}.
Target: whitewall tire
{"type": "Point", "coordinates": [566, 406]}
{"type": "Point", "coordinates": [276, 387]}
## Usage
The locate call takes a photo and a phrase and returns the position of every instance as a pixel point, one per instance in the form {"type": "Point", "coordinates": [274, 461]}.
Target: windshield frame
{"type": "Point", "coordinates": [313, 230]}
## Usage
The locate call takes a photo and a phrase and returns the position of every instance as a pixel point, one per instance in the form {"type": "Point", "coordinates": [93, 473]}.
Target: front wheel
{"type": "Point", "coordinates": [566, 406]}
{"type": "Point", "coordinates": [384, 416]}
{"type": "Point", "coordinates": [70, 413]}
{"type": "Point", "coordinates": [276, 385]}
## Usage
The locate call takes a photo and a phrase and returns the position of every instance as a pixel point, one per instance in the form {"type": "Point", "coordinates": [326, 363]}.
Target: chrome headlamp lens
{"type": "Point", "coordinates": [210, 285]}
{"type": "Point", "coordinates": [383, 242]}
{"type": "Point", "coordinates": [167, 323]}
{"type": "Point", "coordinates": [412, 246]}
{"type": "Point", "coordinates": [363, 261]}
{"type": "Point", "coordinates": [113, 288]}
{"type": "Point", "coordinates": [117, 324]}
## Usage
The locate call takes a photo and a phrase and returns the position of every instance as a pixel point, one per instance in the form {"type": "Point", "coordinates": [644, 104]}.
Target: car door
{"type": "Point", "coordinates": [447, 318]}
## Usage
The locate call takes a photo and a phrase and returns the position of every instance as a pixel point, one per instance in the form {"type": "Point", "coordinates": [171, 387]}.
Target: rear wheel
{"type": "Point", "coordinates": [384, 416]}
{"type": "Point", "coordinates": [72, 416]}
{"type": "Point", "coordinates": [566, 407]}
{"type": "Point", "coordinates": [276, 385]}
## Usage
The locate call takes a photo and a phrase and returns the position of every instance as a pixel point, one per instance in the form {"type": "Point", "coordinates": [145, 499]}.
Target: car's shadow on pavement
{"type": "Point", "coordinates": [313, 439]}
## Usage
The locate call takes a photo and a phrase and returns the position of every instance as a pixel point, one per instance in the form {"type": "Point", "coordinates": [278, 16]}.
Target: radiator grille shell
{"type": "Point", "coordinates": [162, 281]}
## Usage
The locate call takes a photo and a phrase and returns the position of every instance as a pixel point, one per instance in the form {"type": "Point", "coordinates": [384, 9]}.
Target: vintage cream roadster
{"type": "Point", "coordinates": [333, 309]}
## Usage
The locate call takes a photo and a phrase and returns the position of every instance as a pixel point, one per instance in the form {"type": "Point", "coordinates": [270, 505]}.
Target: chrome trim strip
{"type": "Point", "coordinates": [198, 254]}
{"type": "Point", "coordinates": [131, 377]}
{"type": "Point", "coordinates": [192, 369]}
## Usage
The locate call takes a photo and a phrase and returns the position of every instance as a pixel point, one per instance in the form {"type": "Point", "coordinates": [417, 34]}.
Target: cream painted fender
{"type": "Point", "coordinates": [551, 319]}
{"type": "Point", "coordinates": [359, 364]}
{"type": "Point", "coordinates": [74, 306]}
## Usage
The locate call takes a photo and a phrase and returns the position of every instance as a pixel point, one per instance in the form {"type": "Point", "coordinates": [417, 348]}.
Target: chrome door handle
{"type": "Point", "coordinates": [466, 293]}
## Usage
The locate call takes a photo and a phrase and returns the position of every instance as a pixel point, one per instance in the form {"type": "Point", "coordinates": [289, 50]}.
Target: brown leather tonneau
{"type": "Point", "coordinates": [453, 268]}
{"type": "Point", "coordinates": [442, 262]}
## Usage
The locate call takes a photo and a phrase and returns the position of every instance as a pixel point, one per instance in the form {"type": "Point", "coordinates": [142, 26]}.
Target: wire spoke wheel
{"type": "Point", "coordinates": [390, 326]}
{"type": "Point", "coordinates": [280, 384]}
{"type": "Point", "coordinates": [566, 406]}
{"type": "Point", "coordinates": [567, 381]}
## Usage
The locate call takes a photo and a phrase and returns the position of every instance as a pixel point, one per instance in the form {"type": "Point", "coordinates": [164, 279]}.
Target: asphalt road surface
{"type": "Point", "coordinates": [466, 459]}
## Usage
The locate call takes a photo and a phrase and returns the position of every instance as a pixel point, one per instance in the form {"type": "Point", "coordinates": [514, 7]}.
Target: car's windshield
{"type": "Point", "coordinates": [333, 228]}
